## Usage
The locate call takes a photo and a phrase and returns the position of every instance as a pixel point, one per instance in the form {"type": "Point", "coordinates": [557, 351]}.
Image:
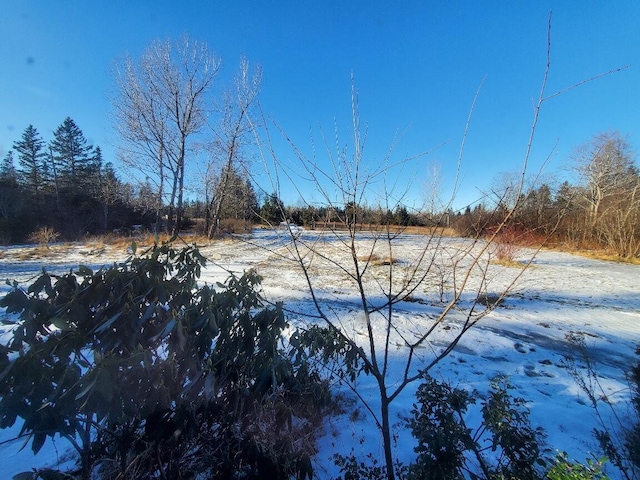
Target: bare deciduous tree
{"type": "Point", "coordinates": [610, 193]}
{"type": "Point", "coordinates": [232, 133]}
{"type": "Point", "coordinates": [161, 104]}
{"type": "Point", "coordinates": [605, 166]}
{"type": "Point", "coordinates": [377, 271]}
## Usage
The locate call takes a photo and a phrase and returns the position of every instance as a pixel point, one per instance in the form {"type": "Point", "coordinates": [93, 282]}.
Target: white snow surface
{"type": "Point", "coordinates": [524, 338]}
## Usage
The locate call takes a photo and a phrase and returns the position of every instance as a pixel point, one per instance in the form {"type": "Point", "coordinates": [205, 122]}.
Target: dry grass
{"type": "Point", "coordinates": [142, 241]}
{"type": "Point", "coordinates": [589, 250]}
{"type": "Point", "coordinates": [602, 255]}
{"type": "Point", "coordinates": [378, 260]}
{"type": "Point", "coordinates": [39, 252]}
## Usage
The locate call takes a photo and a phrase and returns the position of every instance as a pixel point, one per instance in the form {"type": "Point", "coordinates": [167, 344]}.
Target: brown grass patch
{"type": "Point", "coordinates": [377, 260]}
{"type": "Point", "coordinates": [603, 255]}
{"type": "Point", "coordinates": [40, 251]}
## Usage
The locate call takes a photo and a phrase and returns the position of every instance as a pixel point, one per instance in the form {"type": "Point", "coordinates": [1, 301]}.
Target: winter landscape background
{"type": "Point", "coordinates": [525, 338]}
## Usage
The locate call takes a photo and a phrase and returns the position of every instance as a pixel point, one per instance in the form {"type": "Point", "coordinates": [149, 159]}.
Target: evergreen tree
{"type": "Point", "coordinates": [31, 156]}
{"type": "Point", "coordinates": [272, 211]}
{"type": "Point", "coordinates": [237, 196]}
{"type": "Point", "coordinates": [8, 174]}
{"type": "Point", "coordinates": [73, 158]}
{"type": "Point", "coordinates": [13, 221]}
{"type": "Point", "coordinates": [97, 171]}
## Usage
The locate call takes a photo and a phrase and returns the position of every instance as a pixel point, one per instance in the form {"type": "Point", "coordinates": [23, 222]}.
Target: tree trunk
{"type": "Point", "coordinates": [386, 431]}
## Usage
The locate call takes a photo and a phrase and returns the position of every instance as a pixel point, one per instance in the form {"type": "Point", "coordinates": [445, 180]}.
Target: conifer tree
{"type": "Point", "coordinates": [73, 157]}
{"type": "Point", "coordinates": [31, 157]}
{"type": "Point", "coordinates": [8, 174]}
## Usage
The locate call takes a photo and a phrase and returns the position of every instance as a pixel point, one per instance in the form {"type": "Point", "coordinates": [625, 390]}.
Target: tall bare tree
{"type": "Point", "coordinates": [231, 134]}
{"type": "Point", "coordinates": [161, 104]}
{"type": "Point", "coordinates": [606, 168]}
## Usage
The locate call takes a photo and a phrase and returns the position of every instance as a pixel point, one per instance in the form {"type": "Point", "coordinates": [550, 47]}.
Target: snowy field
{"type": "Point", "coordinates": [524, 338]}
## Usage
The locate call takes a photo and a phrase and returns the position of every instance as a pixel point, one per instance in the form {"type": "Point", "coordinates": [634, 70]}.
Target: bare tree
{"type": "Point", "coordinates": [160, 105]}
{"type": "Point", "coordinates": [379, 271]}
{"type": "Point", "coordinates": [606, 168]}
{"type": "Point", "coordinates": [384, 274]}
{"type": "Point", "coordinates": [232, 133]}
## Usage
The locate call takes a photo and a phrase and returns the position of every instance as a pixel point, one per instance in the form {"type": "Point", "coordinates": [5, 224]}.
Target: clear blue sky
{"type": "Point", "coordinates": [417, 65]}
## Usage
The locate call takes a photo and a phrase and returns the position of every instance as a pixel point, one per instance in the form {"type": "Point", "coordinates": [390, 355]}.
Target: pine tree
{"type": "Point", "coordinates": [31, 157]}
{"type": "Point", "coordinates": [73, 157]}
{"type": "Point", "coordinates": [8, 174]}
{"type": "Point", "coordinates": [236, 195]}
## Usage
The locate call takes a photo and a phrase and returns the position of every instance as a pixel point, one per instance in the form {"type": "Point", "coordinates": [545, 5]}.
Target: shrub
{"type": "Point", "coordinates": [564, 469]}
{"type": "Point", "coordinates": [448, 448]}
{"type": "Point", "coordinates": [620, 439]}
{"type": "Point", "coordinates": [149, 375]}
{"type": "Point", "coordinates": [44, 236]}
{"type": "Point", "coordinates": [507, 246]}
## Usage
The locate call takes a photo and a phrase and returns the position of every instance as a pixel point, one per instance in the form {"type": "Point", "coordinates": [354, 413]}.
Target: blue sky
{"type": "Point", "coordinates": [417, 65]}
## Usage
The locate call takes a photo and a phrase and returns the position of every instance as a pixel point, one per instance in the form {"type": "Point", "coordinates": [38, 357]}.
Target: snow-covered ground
{"type": "Point", "coordinates": [524, 338]}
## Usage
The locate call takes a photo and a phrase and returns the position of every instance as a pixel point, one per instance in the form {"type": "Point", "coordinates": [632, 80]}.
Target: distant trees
{"type": "Point", "coordinates": [160, 106]}
{"type": "Point", "coordinates": [273, 210]}
{"type": "Point", "coordinates": [606, 170]}
{"type": "Point", "coordinates": [12, 203]}
{"type": "Point", "coordinates": [235, 197]}
{"type": "Point", "coordinates": [609, 193]}
{"type": "Point", "coordinates": [63, 185]}
{"type": "Point", "coordinates": [601, 210]}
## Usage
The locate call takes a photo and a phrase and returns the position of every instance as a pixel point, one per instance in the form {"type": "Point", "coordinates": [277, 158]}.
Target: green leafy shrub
{"type": "Point", "coordinates": [352, 469]}
{"type": "Point", "coordinates": [149, 375]}
{"type": "Point", "coordinates": [564, 469]}
{"type": "Point", "coordinates": [449, 449]}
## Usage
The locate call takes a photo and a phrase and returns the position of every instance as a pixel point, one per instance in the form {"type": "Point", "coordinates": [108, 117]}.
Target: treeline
{"type": "Point", "coordinates": [600, 210]}
{"type": "Point", "coordinates": [65, 185]}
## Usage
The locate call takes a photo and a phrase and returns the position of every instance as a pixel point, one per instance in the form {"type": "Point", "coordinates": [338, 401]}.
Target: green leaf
{"type": "Point", "coordinates": [108, 323]}
{"type": "Point", "coordinates": [166, 330]}
{"type": "Point", "coordinates": [43, 282]}
{"type": "Point", "coordinates": [15, 301]}
{"type": "Point", "coordinates": [38, 441]}
{"type": "Point", "coordinates": [87, 389]}
{"type": "Point", "coordinates": [84, 271]}
{"type": "Point", "coordinates": [25, 476]}
{"type": "Point", "coordinates": [61, 324]}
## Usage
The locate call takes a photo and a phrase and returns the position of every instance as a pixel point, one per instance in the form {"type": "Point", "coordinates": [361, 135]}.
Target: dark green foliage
{"type": "Point", "coordinates": [149, 374]}
{"type": "Point", "coordinates": [33, 166]}
{"type": "Point", "coordinates": [272, 211]}
{"type": "Point", "coordinates": [327, 345]}
{"type": "Point", "coordinates": [506, 418]}
{"type": "Point", "coordinates": [352, 469]}
{"type": "Point", "coordinates": [503, 446]}
{"type": "Point", "coordinates": [564, 469]}
{"type": "Point", "coordinates": [73, 158]}
{"type": "Point", "coordinates": [437, 423]}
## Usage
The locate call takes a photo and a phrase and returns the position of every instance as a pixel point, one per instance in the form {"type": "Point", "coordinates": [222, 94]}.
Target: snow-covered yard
{"type": "Point", "coordinates": [524, 338]}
